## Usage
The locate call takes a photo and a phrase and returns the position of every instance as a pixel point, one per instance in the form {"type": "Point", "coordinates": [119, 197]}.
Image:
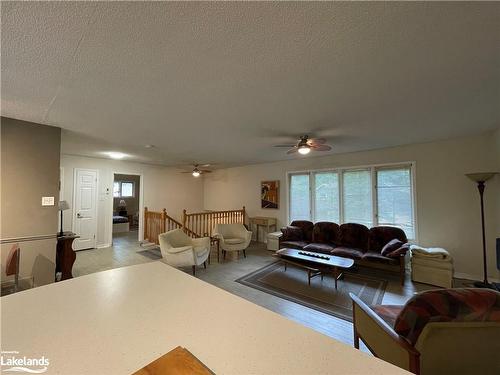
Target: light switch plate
{"type": "Point", "coordinates": [47, 201]}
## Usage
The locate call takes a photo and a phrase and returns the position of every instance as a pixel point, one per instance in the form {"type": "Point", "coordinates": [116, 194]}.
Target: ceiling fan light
{"type": "Point", "coordinates": [196, 173]}
{"type": "Point", "coordinates": [304, 150]}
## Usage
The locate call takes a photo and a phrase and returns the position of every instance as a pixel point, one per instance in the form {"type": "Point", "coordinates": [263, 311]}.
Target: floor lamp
{"type": "Point", "coordinates": [480, 179]}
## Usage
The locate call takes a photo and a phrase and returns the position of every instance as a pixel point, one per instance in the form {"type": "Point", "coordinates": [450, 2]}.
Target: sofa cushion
{"type": "Point", "coordinates": [380, 236]}
{"type": "Point", "coordinates": [373, 256]}
{"type": "Point", "coordinates": [291, 233]}
{"type": "Point", "coordinates": [323, 248]}
{"type": "Point", "coordinates": [347, 252]}
{"type": "Point", "coordinates": [447, 305]}
{"type": "Point", "coordinates": [325, 232]}
{"type": "Point", "coordinates": [307, 228]}
{"type": "Point", "coordinates": [354, 236]}
{"type": "Point", "coordinates": [390, 246]}
{"type": "Point", "coordinates": [293, 244]}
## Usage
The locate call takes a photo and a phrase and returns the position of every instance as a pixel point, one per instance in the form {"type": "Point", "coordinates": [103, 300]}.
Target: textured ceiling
{"type": "Point", "coordinates": [222, 82]}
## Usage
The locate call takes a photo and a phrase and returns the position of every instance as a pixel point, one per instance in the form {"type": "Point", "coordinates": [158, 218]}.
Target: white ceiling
{"type": "Point", "coordinates": [222, 82]}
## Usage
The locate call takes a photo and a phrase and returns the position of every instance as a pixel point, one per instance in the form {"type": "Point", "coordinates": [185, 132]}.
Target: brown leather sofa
{"type": "Point", "coordinates": [349, 240]}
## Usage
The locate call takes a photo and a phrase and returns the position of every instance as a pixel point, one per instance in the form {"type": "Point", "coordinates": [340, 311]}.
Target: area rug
{"type": "Point", "coordinates": [153, 253]}
{"type": "Point", "coordinates": [321, 294]}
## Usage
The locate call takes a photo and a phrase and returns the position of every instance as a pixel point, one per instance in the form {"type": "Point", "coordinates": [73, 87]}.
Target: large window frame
{"type": "Point", "coordinates": [373, 168]}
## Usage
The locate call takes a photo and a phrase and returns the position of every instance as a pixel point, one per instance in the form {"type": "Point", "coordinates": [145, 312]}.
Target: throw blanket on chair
{"type": "Point", "coordinates": [430, 252]}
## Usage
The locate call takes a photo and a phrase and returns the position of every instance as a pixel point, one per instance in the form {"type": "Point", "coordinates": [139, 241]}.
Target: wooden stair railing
{"type": "Point", "coordinates": [203, 223]}
{"type": "Point", "coordinates": [156, 223]}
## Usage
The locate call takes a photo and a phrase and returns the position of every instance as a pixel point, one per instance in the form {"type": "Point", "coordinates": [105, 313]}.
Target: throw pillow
{"type": "Point", "coordinates": [398, 252]}
{"type": "Point", "coordinates": [391, 246]}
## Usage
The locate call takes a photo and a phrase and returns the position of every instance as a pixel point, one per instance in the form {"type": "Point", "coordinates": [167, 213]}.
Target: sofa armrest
{"type": "Point", "coordinates": [201, 242]}
{"type": "Point", "coordinates": [291, 233]}
{"type": "Point", "coordinates": [381, 339]}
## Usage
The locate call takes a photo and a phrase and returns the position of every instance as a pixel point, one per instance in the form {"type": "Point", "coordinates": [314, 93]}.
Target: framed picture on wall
{"type": "Point", "coordinates": [270, 193]}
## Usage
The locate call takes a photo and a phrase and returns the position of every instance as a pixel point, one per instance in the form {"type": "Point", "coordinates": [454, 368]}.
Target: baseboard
{"type": "Point", "coordinates": [461, 275]}
{"type": "Point", "coordinates": [102, 246]}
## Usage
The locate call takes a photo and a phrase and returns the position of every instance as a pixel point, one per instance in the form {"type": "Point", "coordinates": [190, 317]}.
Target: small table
{"type": "Point", "coordinates": [263, 221]}
{"type": "Point", "coordinates": [315, 264]}
{"type": "Point", "coordinates": [65, 255]}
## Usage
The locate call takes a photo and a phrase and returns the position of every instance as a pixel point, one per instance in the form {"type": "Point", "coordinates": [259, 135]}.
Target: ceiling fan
{"type": "Point", "coordinates": [306, 144]}
{"type": "Point", "coordinates": [196, 172]}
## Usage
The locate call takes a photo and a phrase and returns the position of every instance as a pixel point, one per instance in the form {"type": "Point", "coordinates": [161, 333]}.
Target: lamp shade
{"type": "Point", "coordinates": [123, 203]}
{"type": "Point", "coordinates": [63, 205]}
{"type": "Point", "coordinates": [481, 177]}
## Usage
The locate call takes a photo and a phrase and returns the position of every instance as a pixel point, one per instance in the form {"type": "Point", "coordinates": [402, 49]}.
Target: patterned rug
{"type": "Point", "coordinates": [152, 253]}
{"type": "Point", "coordinates": [321, 294]}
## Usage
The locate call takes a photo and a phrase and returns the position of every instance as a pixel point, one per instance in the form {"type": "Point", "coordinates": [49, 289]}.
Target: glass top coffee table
{"type": "Point", "coordinates": [314, 263]}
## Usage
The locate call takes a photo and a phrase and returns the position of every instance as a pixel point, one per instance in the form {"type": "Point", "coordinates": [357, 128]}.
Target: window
{"type": "Point", "coordinates": [372, 196]}
{"type": "Point", "coordinates": [300, 197]}
{"type": "Point", "coordinates": [123, 189]}
{"type": "Point", "coordinates": [394, 199]}
{"type": "Point", "coordinates": [326, 197]}
{"type": "Point", "coordinates": [358, 197]}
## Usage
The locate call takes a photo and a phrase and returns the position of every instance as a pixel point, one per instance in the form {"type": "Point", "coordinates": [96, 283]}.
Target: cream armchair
{"type": "Point", "coordinates": [233, 237]}
{"type": "Point", "coordinates": [180, 250]}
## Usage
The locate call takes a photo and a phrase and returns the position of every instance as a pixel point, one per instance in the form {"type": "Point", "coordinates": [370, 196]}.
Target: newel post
{"type": "Point", "coordinates": [146, 220]}
{"type": "Point", "coordinates": [244, 214]}
{"type": "Point", "coordinates": [184, 218]}
{"type": "Point", "coordinates": [164, 220]}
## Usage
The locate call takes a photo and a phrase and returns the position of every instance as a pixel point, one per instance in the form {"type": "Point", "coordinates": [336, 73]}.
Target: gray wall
{"type": "Point", "coordinates": [30, 156]}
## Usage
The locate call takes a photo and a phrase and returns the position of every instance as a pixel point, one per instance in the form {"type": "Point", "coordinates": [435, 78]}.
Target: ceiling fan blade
{"type": "Point", "coordinates": [321, 147]}
{"type": "Point", "coordinates": [204, 165]}
{"type": "Point", "coordinates": [316, 141]}
{"type": "Point", "coordinates": [292, 151]}
{"type": "Point", "coordinates": [287, 146]}
{"type": "Point", "coordinates": [205, 171]}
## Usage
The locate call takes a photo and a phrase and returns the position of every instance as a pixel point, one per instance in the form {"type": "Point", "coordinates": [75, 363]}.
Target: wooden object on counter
{"type": "Point", "coordinates": [179, 361]}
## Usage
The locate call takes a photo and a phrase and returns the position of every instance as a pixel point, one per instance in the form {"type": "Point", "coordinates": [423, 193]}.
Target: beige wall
{"type": "Point", "coordinates": [162, 188]}
{"type": "Point", "coordinates": [30, 169]}
{"type": "Point", "coordinates": [447, 202]}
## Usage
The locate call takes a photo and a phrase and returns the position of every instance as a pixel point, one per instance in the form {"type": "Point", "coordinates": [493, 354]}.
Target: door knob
{"type": "Point", "coordinates": [78, 215]}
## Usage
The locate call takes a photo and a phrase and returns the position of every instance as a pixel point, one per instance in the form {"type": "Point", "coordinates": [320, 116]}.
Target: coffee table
{"type": "Point", "coordinates": [315, 264]}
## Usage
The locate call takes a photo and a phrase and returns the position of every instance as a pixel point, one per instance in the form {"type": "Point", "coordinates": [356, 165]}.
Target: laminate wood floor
{"type": "Point", "coordinates": [125, 252]}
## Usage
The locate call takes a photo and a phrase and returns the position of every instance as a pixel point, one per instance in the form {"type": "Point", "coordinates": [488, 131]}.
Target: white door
{"type": "Point", "coordinates": [85, 209]}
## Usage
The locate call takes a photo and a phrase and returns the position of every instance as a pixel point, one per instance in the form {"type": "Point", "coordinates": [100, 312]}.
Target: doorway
{"type": "Point", "coordinates": [126, 208]}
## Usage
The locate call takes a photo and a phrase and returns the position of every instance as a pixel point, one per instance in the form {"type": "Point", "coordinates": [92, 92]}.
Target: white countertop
{"type": "Point", "coordinates": [117, 321]}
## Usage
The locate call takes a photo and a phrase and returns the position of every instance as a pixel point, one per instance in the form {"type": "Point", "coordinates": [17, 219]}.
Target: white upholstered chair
{"type": "Point", "coordinates": [180, 250]}
{"type": "Point", "coordinates": [233, 237]}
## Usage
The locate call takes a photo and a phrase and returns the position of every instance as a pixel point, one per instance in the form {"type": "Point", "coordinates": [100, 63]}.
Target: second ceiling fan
{"type": "Point", "coordinates": [196, 172]}
{"type": "Point", "coordinates": [306, 144]}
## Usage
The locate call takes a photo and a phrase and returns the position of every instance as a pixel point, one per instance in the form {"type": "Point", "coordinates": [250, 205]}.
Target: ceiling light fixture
{"type": "Point", "coordinates": [304, 149]}
{"type": "Point", "coordinates": [116, 155]}
{"type": "Point", "coordinates": [196, 172]}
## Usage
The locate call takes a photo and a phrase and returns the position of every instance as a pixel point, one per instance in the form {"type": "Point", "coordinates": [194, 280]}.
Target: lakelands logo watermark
{"type": "Point", "coordinates": [13, 361]}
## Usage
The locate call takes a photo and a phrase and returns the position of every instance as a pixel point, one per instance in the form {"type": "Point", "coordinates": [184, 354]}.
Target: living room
{"type": "Point", "coordinates": [334, 166]}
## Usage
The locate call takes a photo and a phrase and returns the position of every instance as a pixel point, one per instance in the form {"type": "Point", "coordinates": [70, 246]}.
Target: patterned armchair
{"type": "Point", "coordinates": [444, 331]}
